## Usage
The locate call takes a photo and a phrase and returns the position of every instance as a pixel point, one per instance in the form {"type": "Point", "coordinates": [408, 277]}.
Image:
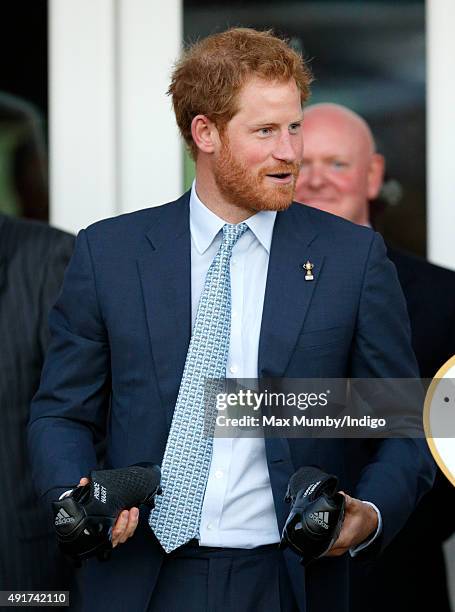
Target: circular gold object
{"type": "Point", "coordinates": [437, 411]}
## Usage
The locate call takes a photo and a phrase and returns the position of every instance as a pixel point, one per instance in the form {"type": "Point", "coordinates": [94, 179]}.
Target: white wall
{"type": "Point", "coordinates": [441, 131]}
{"type": "Point", "coordinates": [441, 160]}
{"type": "Point", "coordinates": [149, 147]}
{"type": "Point", "coordinates": [114, 146]}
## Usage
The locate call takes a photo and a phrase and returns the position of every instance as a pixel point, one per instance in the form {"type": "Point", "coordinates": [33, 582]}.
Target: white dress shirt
{"type": "Point", "coordinates": [238, 509]}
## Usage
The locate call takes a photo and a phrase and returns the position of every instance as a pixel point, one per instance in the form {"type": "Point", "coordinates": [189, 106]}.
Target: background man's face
{"type": "Point", "coordinates": [340, 169]}
{"type": "Point", "coordinates": [259, 159]}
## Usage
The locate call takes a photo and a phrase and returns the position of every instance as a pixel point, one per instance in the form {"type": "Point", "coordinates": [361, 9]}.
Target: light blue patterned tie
{"type": "Point", "coordinates": [186, 462]}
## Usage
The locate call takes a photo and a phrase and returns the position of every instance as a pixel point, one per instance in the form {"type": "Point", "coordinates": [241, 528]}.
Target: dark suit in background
{"type": "Point", "coordinates": [430, 295]}
{"type": "Point", "coordinates": [410, 575]}
{"type": "Point", "coordinates": [33, 257]}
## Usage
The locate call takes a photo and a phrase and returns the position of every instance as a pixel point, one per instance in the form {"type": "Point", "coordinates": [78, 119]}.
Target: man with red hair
{"type": "Point", "coordinates": [213, 285]}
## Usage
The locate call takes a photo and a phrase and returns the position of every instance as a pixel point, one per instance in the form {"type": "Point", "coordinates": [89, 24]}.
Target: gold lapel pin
{"type": "Point", "coordinates": [308, 267]}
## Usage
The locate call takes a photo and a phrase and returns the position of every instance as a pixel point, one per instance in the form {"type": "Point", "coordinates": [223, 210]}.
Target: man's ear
{"type": "Point", "coordinates": [375, 175]}
{"type": "Point", "coordinates": [204, 133]}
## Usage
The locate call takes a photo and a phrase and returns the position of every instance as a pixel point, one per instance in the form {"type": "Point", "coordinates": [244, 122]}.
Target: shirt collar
{"type": "Point", "coordinates": [205, 224]}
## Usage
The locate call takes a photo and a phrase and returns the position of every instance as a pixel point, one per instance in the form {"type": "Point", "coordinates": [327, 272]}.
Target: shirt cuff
{"type": "Point", "coordinates": [356, 549]}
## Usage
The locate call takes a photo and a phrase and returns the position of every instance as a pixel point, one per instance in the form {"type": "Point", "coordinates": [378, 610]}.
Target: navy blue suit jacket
{"type": "Point", "coordinates": [120, 332]}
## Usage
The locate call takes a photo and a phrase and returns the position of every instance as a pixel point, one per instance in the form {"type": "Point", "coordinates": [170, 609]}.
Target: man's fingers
{"type": "Point", "coordinates": [360, 520]}
{"type": "Point", "coordinates": [340, 546]}
{"type": "Point", "coordinates": [348, 499]}
{"type": "Point", "coordinates": [133, 517]}
{"type": "Point", "coordinates": [342, 543]}
{"type": "Point", "coordinates": [337, 551]}
{"type": "Point", "coordinates": [125, 526]}
{"type": "Point", "coordinates": [132, 524]}
{"type": "Point", "coordinates": [119, 527]}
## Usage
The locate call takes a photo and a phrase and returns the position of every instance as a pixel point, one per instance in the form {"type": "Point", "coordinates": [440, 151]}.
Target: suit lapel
{"type": "Point", "coordinates": [165, 272]}
{"type": "Point", "coordinates": [286, 302]}
{"type": "Point", "coordinates": [287, 295]}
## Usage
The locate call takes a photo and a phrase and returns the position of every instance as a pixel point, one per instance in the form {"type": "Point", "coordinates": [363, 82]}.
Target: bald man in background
{"type": "Point", "coordinates": [342, 173]}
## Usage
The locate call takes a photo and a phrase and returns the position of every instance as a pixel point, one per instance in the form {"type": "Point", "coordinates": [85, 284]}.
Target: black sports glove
{"type": "Point", "coordinates": [84, 519]}
{"type": "Point", "coordinates": [316, 516]}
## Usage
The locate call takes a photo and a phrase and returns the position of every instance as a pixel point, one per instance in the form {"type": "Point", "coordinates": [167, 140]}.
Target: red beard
{"type": "Point", "coordinates": [250, 190]}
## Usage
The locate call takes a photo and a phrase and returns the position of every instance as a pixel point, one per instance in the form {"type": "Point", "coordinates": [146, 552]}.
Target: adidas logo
{"type": "Point", "coordinates": [63, 518]}
{"type": "Point", "coordinates": [321, 518]}
{"type": "Point", "coordinates": [311, 488]}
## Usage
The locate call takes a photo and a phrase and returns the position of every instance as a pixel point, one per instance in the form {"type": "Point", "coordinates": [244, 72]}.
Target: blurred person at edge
{"type": "Point", "coordinates": [33, 258]}
{"type": "Point", "coordinates": [122, 328]}
{"type": "Point", "coordinates": [23, 159]}
{"type": "Point", "coordinates": [342, 173]}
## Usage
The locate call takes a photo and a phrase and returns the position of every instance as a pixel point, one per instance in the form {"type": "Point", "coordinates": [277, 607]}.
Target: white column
{"type": "Point", "coordinates": [440, 17]}
{"type": "Point", "coordinates": [150, 150]}
{"type": "Point", "coordinates": [82, 112]}
{"type": "Point", "coordinates": [114, 146]}
{"type": "Point", "coordinates": [440, 21]}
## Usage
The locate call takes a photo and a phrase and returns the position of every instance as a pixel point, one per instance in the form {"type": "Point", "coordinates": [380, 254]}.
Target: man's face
{"type": "Point", "coordinates": [340, 170]}
{"type": "Point", "coordinates": [257, 164]}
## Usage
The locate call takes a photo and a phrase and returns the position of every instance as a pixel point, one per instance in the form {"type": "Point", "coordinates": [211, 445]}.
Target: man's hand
{"type": "Point", "coordinates": [125, 524]}
{"type": "Point", "coordinates": [360, 521]}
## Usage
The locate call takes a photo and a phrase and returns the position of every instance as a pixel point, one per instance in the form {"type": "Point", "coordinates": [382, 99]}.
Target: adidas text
{"type": "Point", "coordinates": [63, 518]}
{"type": "Point", "coordinates": [321, 518]}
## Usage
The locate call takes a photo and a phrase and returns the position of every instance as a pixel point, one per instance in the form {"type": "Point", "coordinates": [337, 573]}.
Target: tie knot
{"type": "Point", "coordinates": [231, 233]}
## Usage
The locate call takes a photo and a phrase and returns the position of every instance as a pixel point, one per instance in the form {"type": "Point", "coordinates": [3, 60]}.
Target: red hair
{"type": "Point", "coordinates": [211, 73]}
